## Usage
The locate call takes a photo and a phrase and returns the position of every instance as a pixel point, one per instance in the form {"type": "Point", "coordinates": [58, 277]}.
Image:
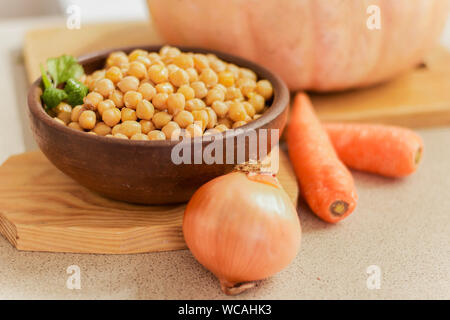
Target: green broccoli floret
{"type": "Point", "coordinates": [76, 91]}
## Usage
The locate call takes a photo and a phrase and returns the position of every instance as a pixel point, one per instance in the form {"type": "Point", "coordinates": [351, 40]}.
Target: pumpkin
{"type": "Point", "coordinates": [320, 45]}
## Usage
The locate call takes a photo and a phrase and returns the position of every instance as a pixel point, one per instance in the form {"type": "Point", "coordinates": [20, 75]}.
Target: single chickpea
{"type": "Point", "coordinates": [221, 127]}
{"type": "Point", "coordinates": [76, 111]}
{"type": "Point", "coordinates": [201, 117]}
{"type": "Point", "coordinates": [137, 69]}
{"type": "Point", "coordinates": [117, 59]}
{"type": "Point", "coordinates": [147, 90]}
{"type": "Point", "coordinates": [111, 116]}
{"type": "Point", "coordinates": [184, 118]}
{"type": "Point", "coordinates": [104, 105]}
{"type": "Point", "coordinates": [120, 136]}
{"type": "Point", "coordinates": [87, 119]}
{"type": "Point", "coordinates": [194, 130]}
{"type": "Point", "coordinates": [160, 101]}
{"type": "Point", "coordinates": [234, 69]}
{"type": "Point", "coordinates": [233, 93]}
{"type": "Point", "coordinates": [117, 97]}
{"type": "Point", "coordinates": [209, 77]}
{"type": "Point", "coordinates": [115, 129]}
{"type": "Point", "coordinates": [257, 101]}
{"type": "Point", "coordinates": [226, 122]}
{"type": "Point", "coordinates": [153, 56]}
{"type": "Point", "coordinates": [104, 86]}
{"type": "Point", "coordinates": [217, 65]}
{"type": "Point", "coordinates": [247, 73]}
{"type": "Point", "coordinates": [183, 61]}
{"type": "Point", "coordinates": [195, 104]}
{"type": "Point", "coordinates": [98, 74]}
{"type": "Point", "coordinates": [200, 89]}
{"type": "Point", "coordinates": [156, 135]}
{"type": "Point", "coordinates": [238, 124]}
{"type": "Point", "coordinates": [101, 129]}
{"type": "Point", "coordinates": [193, 74]}
{"type": "Point", "coordinates": [158, 73]}
{"type": "Point", "coordinates": [63, 107]}
{"type": "Point", "coordinates": [137, 53]}
{"type": "Point", "coordinates": [131, 99]}
{"type": "Point", "coordinates": [145, 110]}
{"type": "Point", "coordinates": [168, 53]}
{"type": "Point", "coordinates": [130, 128]}
{"type": "Point", "coordinates": [187, 92]}
{"type": "Point", "coordinates": [214, 95]}
{"type": "Point", "coordinates": [200, 61]}
{"type": "Point", "coordinates": [237, 111]}
{"type": "Point", "coordinates": [128, 83]}
{"type": "Point", "coordinates": [139, 136]}
{"type": "Point", "coordinates": [114, 74]}
{"type": "Point", "coordinates": [179, 77]}
{"type": "Point", "coordinates": [165, 87]}
{"type": "Point", "coordinates": [175, 103]}
{"type": "Point", "coordinates": [75, 126]}
{"type": "Point", "coordinates": [171, 130]}
{"type": "Point", "coordinates": [64, 112]}
{"type": "Point", "coordinates": [246, 85]}
{"type": "Point", "coordinates": [146, 126]}
{"type": "Point", "coordinates": [160, 119]}
{"type": "Point", "coordinates": [89, 82]}
{"type": "Point", "coordinates": [172, 68]}
{"type": "Point", "coordinates": [220, 87]}
{"type": "Point", "coordinates": [128, 114]}
{"type": "Point", "coordinates": [264, 88]}
{"type": "Point", "coordinates": [93, 98]}
{"type": "Point", "coordinates": [212, 118]}
{"type": "Point", "coordinates": [220, 108]}
{"type": "Point", "coordinates": [249, 109]}
{"type": "Point", "coordinates": [145, 61]}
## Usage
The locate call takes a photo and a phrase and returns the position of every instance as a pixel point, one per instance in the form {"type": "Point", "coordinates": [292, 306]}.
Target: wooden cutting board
{"type": "Point", "coordinates": [419, 98]}
{"type": "Point", "coordinates": [41, 209]}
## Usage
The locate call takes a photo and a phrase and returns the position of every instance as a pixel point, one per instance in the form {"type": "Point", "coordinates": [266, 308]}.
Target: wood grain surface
{"type": "Point", "coordinates": [41, 209]}
{"type": "Point", "coordinates": [418, 98]}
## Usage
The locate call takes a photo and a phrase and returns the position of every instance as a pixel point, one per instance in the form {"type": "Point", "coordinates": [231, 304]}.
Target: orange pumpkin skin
{"type": "Point", "coordinates": [321, 45]}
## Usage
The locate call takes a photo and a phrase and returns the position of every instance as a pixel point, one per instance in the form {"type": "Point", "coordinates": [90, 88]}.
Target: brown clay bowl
{"type": "Point", "coordinates": [141, 171]}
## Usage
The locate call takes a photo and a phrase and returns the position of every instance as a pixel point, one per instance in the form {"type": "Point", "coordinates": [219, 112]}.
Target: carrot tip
{"type": "Point", "coordinates": [418, 156]}
{"type": "Point", "coordinates": [339, 207]}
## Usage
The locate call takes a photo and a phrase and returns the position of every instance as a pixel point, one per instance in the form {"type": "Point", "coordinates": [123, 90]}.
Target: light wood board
{"type": "Point", "coordinates": [419, 98]}
{"type": "Point", "coordinates": [41, 209]}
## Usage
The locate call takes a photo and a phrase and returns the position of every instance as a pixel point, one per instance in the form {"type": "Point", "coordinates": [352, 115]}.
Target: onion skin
{"type": "Point", "coordinates": [242, 229]}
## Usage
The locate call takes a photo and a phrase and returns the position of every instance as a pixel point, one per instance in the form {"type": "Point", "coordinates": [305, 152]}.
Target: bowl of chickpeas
{"type": "Point", "coordinates": [144, 101]}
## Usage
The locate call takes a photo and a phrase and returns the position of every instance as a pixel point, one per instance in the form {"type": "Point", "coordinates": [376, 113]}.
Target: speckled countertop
{"type": "Point", "coordinates": [401, 226]}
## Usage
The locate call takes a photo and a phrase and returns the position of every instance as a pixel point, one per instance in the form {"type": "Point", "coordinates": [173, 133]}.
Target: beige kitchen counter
{"type": "Point", "coordinates": [402, 226]}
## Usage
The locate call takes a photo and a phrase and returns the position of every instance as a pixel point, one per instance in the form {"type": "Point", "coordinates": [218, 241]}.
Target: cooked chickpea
{"type": "Point", "coordinates": [201, 116]}
{"type": "Point", "coordinates": [172, 68]}
{"type": "Point", "coordinates": [187, 92]}
{"type": "Point", "coordinates": [226, 122]}
{"type": "Point", "coordinates": [128, 114]}
{"type": "Point", "coordinates": [165, 87]}
{"type": "Point", "coordinates": [120, 136]}
{"type": "Point", "coordinates": [101, 129]}
{"type": "Point", "coordinates": [212, 118]}
{"type": "Point", "coordinates": [183, 61]}
{"type": "Point", "coordinates": [195, 104]}
{"type": "Point", "coordinates": [130, 128]}
{"type": "Point", "coordinates": [246, 85]}
{"type": "Point", "coordinates": [200, 89]}
{"type": "Point", "coordinates": [111, 116]}
{"type": "Point", "coordinates": [247, 73]}
{"type": "Point", "coordinates": [209, 77]}
{"type": "Point", "coordinates": [93, 98]}
{"type": "Point", "coordinates": [168, 53]}
{"type": "Point", "coordinates": [220, 87]}
{"type": "Point", "coordinates": [128, 83]}
{"type": "Point", "coordinates": [194, 130]}
{"type": "Point", "coordinates": [211, 131]}
{"type": "Point", "coordinates": [64, 112]}
{"type": "Point", "coordinates": [87, 119]}
{"type": "Point", "coordinates": [237, 111]}
{"type": "Point", "coordinates": [75, 126]}
{"type": "Point", "coordinates": [179, 77]}
{"type": "Point", "coordinates": [200, 61]}
{"type": "Point", "coordinates": [156, 135]}
{"type": "Point", "coordinates": [193, 74]}
{"type": "Point", "coordinates": [145, 61]}
{"type": "Point", "coordinates": [117, 97]}
{"type": "Point", "coordinates": [147, 90]}
{"type": "Point", "coordinates": [115, 129]}
{"type": "Point", "coordinates": [160, 119]}
{"type": "Point", "coordinates": [220, 108]}
{"type": "Point", "coordinates": [98, 75]}
{"type": "Point", "coordinates": [104, 105]}
{"type": "Point", "coordinates": [136, 54]}
{"type": "Point", "coordinates": [158, 73]}
{"type": "Point", "coordinates": [175, 103]}
{"type": "Point", "coordinates": [221, 127]}
{"type": "Point", "coordinates": [63, 107]}
{"type": "Point", "coordinates": [249, 109]}
{"type": "Point", "coordinates": [114, 74]}
{"type": "Point", "coordinates": [117, 59]}
{"type": "Point", "coordinates": [233, 93]}
{"type": "Point", "coordinates": [131, 99]}
{"type": "Point", "coordinates": [257, 101]}
{"type": "Point", "coordinates": [145, 110]}
{"type": "Point", "coordinates": [264, 88]}
{"type": "Point", "coordinates": [137, 69]}
{"type": "Point", "coordinates": [171, 130]}
{"type": "Point", "coordinates": [160, 101]}
{"type": "Point", "coordinates": [104, 86]}
{"type": "Point", "coordinates": [226, 78]}
{"type": "Point", "coordinates": [234, 69]}
{"type": "Point", "coordinates": [214, 95]}
{"type": "Point", "coordinates": [184, 118]}
{"type": "Point", "coordinates": [217, 65]}
{"type": "Point", "coordinates": [238, 124]}
{"type": "Point", "coordinates": [139, 136]}
{"type": "Point", "coordinates": [146, 126]}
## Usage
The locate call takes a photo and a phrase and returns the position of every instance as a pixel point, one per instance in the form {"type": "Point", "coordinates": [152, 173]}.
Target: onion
{"type": "Point", "coordinates": [242, 227]}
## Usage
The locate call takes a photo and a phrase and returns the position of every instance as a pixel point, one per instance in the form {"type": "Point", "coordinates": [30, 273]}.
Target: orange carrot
{"type": "Point", "coordinates": [387, 150]}
{"type": "Point", "coordinates": [325, 182]}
